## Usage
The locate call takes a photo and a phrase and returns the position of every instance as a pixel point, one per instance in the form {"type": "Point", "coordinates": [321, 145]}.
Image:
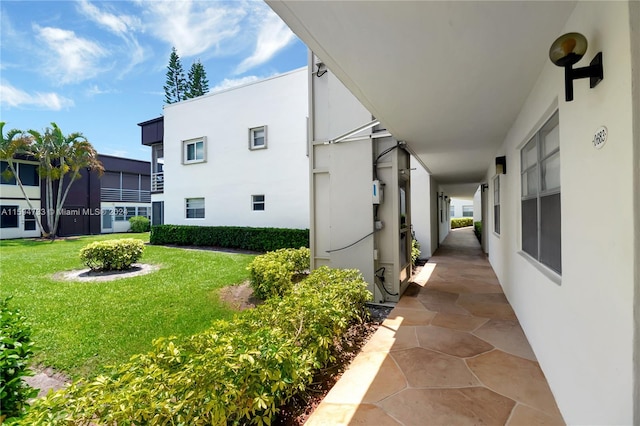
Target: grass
{"type": "Point", "coordinates": [81, 327]}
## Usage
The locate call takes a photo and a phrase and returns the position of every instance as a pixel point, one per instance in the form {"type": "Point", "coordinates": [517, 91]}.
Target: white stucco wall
{"type": "Point", "coordinates": [457, 204]}
{"type": "Point", "coordinates": [232, 173]}
{"type": "Point", "coordinates": [421, 208]}
{"type": "Point", "coordinates": [580, 325]}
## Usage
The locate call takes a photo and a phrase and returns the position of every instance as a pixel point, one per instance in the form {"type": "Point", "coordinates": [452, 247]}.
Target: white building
{"type": "Point", "coordinates": [463, 84]}
{"type": "Point", "coordinates": [236, 157]}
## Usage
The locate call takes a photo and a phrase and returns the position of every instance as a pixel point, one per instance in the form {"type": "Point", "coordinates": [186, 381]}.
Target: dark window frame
{"type": "Point", "coordinates": [258, 205]}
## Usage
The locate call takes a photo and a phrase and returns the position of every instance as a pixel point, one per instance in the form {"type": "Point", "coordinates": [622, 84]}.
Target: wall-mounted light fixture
{"type": "Point", "coordinates": [566, 51]}
{"type": "Point", "coordinates": [484, 187]}
{"type": "Point", "coordinates": [501, 165]}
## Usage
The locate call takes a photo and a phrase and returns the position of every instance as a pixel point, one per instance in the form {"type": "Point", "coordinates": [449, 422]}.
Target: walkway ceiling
{"type": "Point", "coordinates": [449, 78]}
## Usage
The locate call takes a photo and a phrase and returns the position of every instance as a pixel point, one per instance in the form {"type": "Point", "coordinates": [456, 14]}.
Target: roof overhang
{"type": "Point", "coordinates": [449, 78]}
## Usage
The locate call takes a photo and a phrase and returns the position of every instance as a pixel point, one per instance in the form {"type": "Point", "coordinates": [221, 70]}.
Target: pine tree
{"type": "Point", "coordinates": [197, 82]}
{"type": "Point", "coordinates": [176, 87]}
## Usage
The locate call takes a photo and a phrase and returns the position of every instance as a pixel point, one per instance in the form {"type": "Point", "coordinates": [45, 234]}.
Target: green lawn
{"type": "Point", "coordinates": [80, 327]}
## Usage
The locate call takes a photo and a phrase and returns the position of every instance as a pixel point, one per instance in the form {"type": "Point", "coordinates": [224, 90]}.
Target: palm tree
{"type": "Point", "coordinates": [61, 158]}
{"type": "Point", "coordinates": [16, 143]}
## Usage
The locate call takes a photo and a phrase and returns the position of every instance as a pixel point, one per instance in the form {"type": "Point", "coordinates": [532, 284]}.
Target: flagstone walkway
{"type": "Point", "coordinates": [450, 353]}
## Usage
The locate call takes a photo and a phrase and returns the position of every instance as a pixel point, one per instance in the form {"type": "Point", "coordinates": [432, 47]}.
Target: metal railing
{"type": "Point", "coordinates": [157, 182]}
{"type": "Point", "coordinates": [119, 194]}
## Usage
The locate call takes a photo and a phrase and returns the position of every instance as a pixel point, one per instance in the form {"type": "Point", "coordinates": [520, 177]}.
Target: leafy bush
{"type": "Point", "coordinates": [477, 229]}
{"type": "Point", "coordinates": [236, 372]}
{"type": "Point", "coordinates": [140, 224]}
{"type": "Point", "coordinates": [272, 274]}
{"type": "Point", "coordinates": [112, 255]}
{"type": "Point", "coordinates": [16, 348]}
{"type": "Point", "coordinates": [459, 222]}
{"type": "Point", "coordinates": [243, 238]}
{"type": "Point", "coordinates": [415, 251]}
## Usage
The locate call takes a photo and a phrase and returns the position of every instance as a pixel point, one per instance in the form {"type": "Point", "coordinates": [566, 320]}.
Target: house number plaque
{"type": "Point", "coordinates": [600, 137]}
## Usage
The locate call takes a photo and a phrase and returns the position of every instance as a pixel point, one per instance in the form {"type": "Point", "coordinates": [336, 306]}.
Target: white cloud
{"type": "Point", "coordinates": [75, 58]}
{"type": "Point", "coordinates": [228, 83]}
{"type": "Point", "coordinates": [122, 25]}
{"type": "Point", "coordinates": [117, 24]}
{"type": "Point", "coordinates": [193, 27]}
{"type": "Point", "coordinates": [94, 90]}
{"type": "Point", "coordinates": [13, 97]}
{"type": "Point", "coordinates": [273, 36]}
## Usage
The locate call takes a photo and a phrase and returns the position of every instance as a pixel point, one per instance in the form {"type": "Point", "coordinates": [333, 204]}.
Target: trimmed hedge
{"type": "Point", "coordinates": [235, 237]}
{"type": "Point", "coordinates": [16, 348]}
{"type": "Point", "coordinates": [477, 229]}
{"type": "Point", "coordinates": [236, 372]}
{"type": "Point", "coordinates": [112, 255]}
{"type": "Point", "coordinates": [460, 222]}
{"type": "Point", "coordinates": [140, 224]}
{"type": "Point", "coordinates": [272, 274]}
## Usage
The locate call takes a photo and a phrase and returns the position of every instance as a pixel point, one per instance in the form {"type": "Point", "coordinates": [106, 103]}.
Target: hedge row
{"type": "Point", "coordinates": [236, 372]}
{"type": "Point", "coordinates": [459, 222]}
{"type": "Point", "coordinates": [243, 238]}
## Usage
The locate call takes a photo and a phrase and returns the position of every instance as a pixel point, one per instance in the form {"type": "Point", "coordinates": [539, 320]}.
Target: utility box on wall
{"type": "Point", "coordinates": [360, 191]}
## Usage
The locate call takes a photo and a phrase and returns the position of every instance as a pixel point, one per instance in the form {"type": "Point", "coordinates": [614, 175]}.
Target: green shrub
{"type": "Point", "coordinates": [16, 348]}
{"type": "Point", "coordinates": [243, 238]}
{"type": "Point", "coordinates": [236, 372]}
{"type": "Point", "coordinates": [459, 222]}
{"type": "Point", "coordinates": [415, 251]}
{"type": "Point", "coordinates": [272, 274]}
{"type": "Point", "coordinates": [112, 255]}
{"type": "Point", "coordinates": [477, 229]}
{"type": "Point", "coordinates": [140, 224]}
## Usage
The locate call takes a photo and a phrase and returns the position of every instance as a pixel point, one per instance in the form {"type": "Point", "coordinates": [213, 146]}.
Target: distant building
{"type": "Point", "coordinates": [237, 157]}
{"type": "Point", "coordinates": [94, 204]}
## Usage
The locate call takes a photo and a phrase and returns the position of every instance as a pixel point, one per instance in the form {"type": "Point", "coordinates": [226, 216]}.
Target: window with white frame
{"type": "Point", "coordinates": [194, 208]}
{"type": "Point", "coordinates": [257, 203]}
{"type": "Point", "coordinates": [467, 211]}
{"type": "Point", "coordinates": [194, 151]}
{"type": "Point", "coordinates": [496, 204]}
{"type": "Point", "coordinates": [119, 214]}
{"type": "Point", "coordinates": [28, 174]}
{"type": "Point", "coordinates": [258, 137]}
{"type": "Point", "coordinates": [541, 210]}
{"type": "Point", "coordinates": [452, 211]}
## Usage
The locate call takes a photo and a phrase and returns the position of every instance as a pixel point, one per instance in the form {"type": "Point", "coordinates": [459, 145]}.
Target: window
{"type": "Point", "coordinates": [452, 211]}
{"type": "Point", "coordinates": [257, 202]}
{"type": "Point", "coordinates": [258, 137]}
{"type": "Point", "coordinates": [467, 211]}
{"type": "Point", "coordinates": [130, 212]}
{"type": "Point", "coordinates": [8, 216]}
{"type": "Point", "coordinates": [29, 174]}
{"type": "Point", "coordinates": [194, 208]}
{"type": "Point", "coordinates": [29, 220]}
{"type": "Point", "coordinates": [143, 211]}
{"type": "Point", "coordinates": [541, 212]}
{"type": "Point", "coordinates": [194, 151]}
{"type": "Point", "coordinates": [496, 204]}
{"type": "Point", "coordinates": [120, 213]}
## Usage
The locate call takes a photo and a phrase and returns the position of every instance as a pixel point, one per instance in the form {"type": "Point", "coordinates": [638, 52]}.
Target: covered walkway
{"type": "Point", "coordinates": [450, 353]}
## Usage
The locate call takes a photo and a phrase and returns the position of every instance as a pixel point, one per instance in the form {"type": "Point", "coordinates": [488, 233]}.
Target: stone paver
{"type": "Point", "coordinates": [450, 353]}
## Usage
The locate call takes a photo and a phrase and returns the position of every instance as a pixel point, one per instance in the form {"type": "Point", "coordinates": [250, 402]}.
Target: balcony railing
{"type": "Point", "coordinates": [119, 194]}
{"type": "Point", "coordinates": [157, 182]}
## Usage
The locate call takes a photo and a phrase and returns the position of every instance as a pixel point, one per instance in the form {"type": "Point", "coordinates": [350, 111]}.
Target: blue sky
{"type": "Point", "coordinates": [99, 67]}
